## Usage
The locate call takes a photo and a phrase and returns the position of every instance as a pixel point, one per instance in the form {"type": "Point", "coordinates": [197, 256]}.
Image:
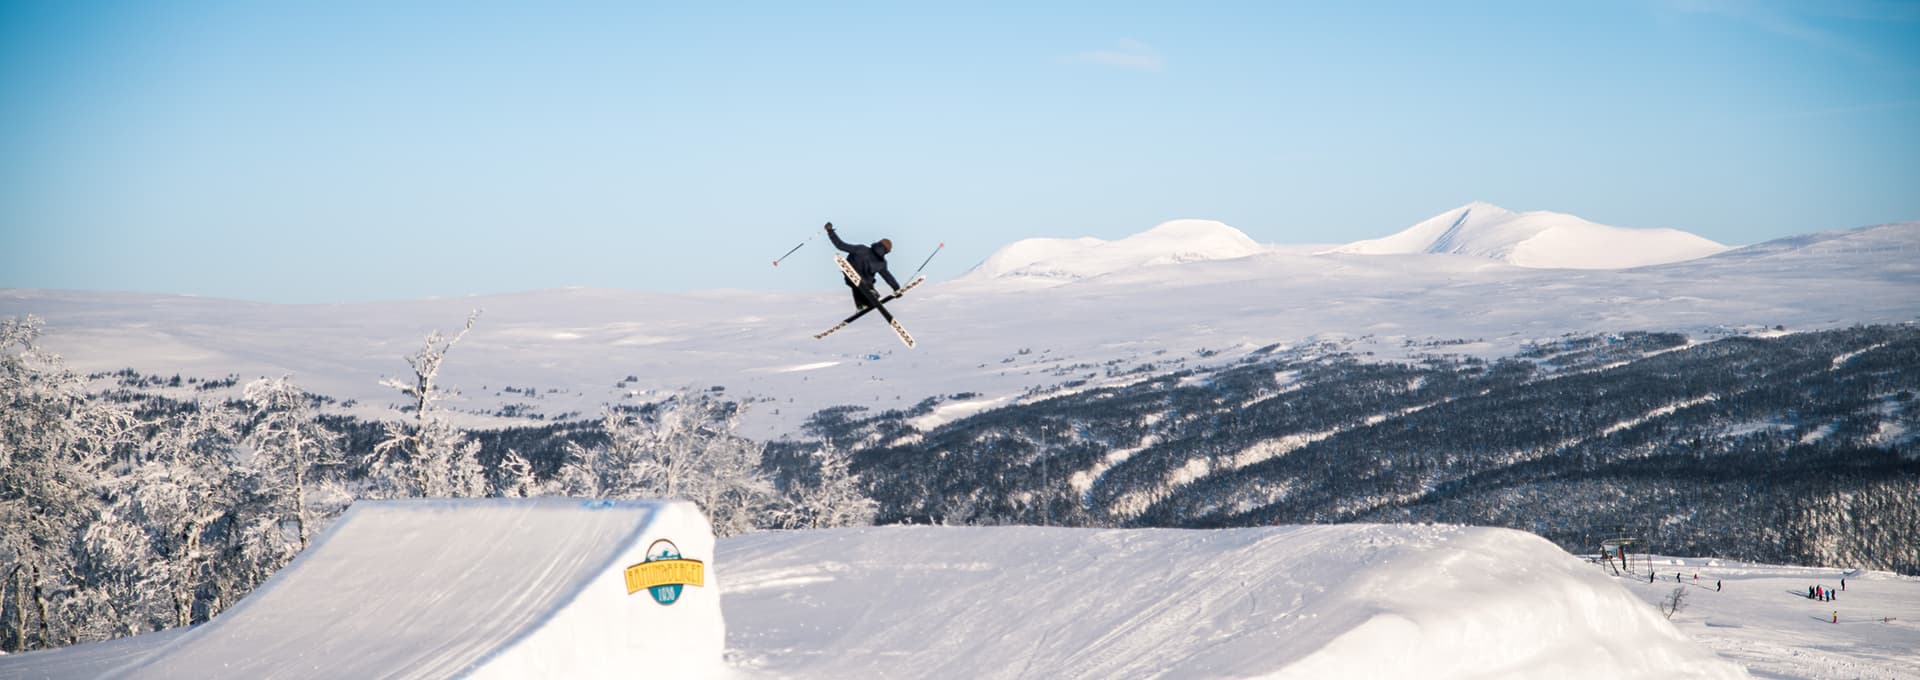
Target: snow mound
{"type": "Point", "coordinates": [1538, 239]}
{"type": "Point", "coordinates": [1897, 237]}
{"type": "Point", "coordinates": [1172, 242]}
{"type": "Point", "coordinates": [474, 589]}
{"type": "Point", "coordinates": [1342, 601]}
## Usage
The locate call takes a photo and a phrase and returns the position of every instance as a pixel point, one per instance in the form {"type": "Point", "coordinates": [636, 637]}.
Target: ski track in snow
{"type": "Point", "coordinates": [1669, 409]}
{"type": "Point", "coordinates": [1844, 358]}
{"type": "Point", "coordinates": [815, 366]}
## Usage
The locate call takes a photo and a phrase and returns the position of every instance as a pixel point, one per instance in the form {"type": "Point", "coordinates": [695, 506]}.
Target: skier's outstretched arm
{"type": "Point", "coordinates": [890, 280]}
{"type": "Point", "coordinates": [837, 243]}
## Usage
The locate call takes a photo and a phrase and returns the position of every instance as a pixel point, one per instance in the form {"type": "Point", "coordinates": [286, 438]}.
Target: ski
{"type": "Point", "coordinates": [863, 312]}
{"type": "Point", "coordinates": [847, 269]}
{"type": "Point", "coordinates": [902, 332]}
{"type": "Point", "coordinates": [895, 323]}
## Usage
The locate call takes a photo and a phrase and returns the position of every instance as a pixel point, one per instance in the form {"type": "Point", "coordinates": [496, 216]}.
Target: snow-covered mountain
{"type": "Point", "coordinates": [577, 346]}
{"type": "Point", "coordinates": [1061, 260]}
{"type": "Point", "coordinates": [1538, 239]}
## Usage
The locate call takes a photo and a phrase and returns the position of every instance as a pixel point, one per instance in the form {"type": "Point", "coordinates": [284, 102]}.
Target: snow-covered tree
{"type": "Point", "coordinates": [290, 447]}
{"type": "Point", "coordinates": [688, 448]}
{"type": "Point", "coordinates": [51, 450]}
{"type": "Point", "coordinates": [836, 498]}
{"type": "Point", "coordinates": [425, 455]}
{"type": "Point", "coordinates": [518, 480]}
{"type": "Point", "coordinates": [183, 488]}
{"type": "Point", "coordinates": [126, 586]}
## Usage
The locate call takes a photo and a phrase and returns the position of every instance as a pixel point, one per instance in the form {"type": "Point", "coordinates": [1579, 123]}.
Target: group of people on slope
{"type": "Point", "coordinates": [1823, 593]}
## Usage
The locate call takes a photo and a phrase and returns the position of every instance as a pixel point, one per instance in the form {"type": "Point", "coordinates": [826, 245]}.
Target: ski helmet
{"type": "Point", "coordinates": [886, 246]}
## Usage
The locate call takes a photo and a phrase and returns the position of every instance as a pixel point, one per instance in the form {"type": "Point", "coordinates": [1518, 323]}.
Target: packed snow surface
{"type": "Point", "coordinates": [1538, 239]}
{"type": "Point", "coordinates": [1346, 601]}
{"type": "Point", "coordinates": [1360, 601]}
{"type": "Point", "coordinates": [1760, 616]}
{"type": "Point", "coordinates": [466, 588]}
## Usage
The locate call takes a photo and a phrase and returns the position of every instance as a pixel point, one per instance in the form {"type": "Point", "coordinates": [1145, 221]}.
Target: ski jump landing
{"type": "Point", "coordinates": [475, 588]}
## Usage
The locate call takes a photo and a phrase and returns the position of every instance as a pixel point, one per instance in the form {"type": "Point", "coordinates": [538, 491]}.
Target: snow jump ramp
{"type": "Point", "coordinates": [520, 588]}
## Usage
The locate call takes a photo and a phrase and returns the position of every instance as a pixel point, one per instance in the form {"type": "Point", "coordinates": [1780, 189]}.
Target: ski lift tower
{"type": "Point", "coordinates": [1621, 548]}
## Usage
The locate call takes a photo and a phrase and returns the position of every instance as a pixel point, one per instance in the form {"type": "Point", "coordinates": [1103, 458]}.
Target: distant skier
{"type": "Point", "coordinates": [1843, 583]}
{"type": "Point", "coordinates": [868, 261]}
{"type": "Point", "coordinates": [1716, 585]}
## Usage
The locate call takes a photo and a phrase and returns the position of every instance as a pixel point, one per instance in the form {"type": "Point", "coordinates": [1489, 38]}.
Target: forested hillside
{"type": "Point", "coordinates": [1799, 448]}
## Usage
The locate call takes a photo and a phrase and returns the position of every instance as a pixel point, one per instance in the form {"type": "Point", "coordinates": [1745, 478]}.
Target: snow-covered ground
{"type": "Point", "coordinates": [1283, 602]}
{"type": "Point", "coordinates": [1347, 601]}
{"type": "Point", "coordinates": [1362, 601]}
{"type": "Point", "coordinates": [1761, 617]}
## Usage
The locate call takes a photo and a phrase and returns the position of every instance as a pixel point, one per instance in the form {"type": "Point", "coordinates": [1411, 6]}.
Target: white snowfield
{"type": "Point", "coordinates": [1345, 601]}
{"type": "Point", "coordinates": [522, 588]}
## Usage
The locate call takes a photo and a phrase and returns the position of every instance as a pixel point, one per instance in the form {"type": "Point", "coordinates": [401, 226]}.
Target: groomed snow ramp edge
{"type": "Point", "coordinates": [476, 588]}
{"type": "Point", "coordinates": [1421, 602]}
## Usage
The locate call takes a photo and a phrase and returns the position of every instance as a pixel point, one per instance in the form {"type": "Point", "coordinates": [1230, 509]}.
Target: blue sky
{"type": "Point", "coordinates": [346, 151]}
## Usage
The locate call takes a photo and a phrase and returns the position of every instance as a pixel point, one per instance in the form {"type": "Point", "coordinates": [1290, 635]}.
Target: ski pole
{"type": "Point", "coordinates": [776, 263]}
{"type": "Point", "coordinates": [923, 263]}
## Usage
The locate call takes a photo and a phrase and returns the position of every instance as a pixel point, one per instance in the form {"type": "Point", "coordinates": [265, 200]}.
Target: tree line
{"type": "Point", "coordinates": [123, 512]}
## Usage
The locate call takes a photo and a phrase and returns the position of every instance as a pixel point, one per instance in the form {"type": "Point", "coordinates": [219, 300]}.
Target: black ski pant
{"type": "Point", "coordinates": [863, 296]}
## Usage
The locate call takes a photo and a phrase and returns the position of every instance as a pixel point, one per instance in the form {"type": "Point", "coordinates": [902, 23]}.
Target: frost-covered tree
{"type": "Point", "coordinates": [836, 498]}
{"type": "Point", "coordinates": [615, 469]}
{"type": "Point", "coordinates": [52, 447]}
{"type": "Point", "coordinates": [126, 589]}
{"type": "Point", "coordinates": [518, 480]}
{"type": "Point", "coordinates": [290, 447]}
{"type": "Point", "coordinates": [182, 489]}
{"type": "Point", "coordinates": [425, 455]}
{"type": "Point", "coordinates": [688, 448]}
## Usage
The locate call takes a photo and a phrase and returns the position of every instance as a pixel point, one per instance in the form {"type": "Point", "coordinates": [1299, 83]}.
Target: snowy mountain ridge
{"type": "Point", "coordinates": [1064, 260]}
{"type": "Point", "coordinates": [1534, 239]}
{"type": "Point", "coordinates": [1537, 239]}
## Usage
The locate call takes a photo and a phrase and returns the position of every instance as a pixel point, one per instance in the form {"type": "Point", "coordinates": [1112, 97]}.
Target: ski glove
{"type": "Point", "coordinates": [829, 226]}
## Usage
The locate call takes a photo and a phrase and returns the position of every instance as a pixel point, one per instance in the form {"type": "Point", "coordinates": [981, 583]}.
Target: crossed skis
{"type": "Point", "coordinates": [872, 304]}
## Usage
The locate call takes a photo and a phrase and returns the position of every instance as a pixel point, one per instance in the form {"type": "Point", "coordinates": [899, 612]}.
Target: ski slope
{"type": "Point", "coordinates": [1346, 601]}
{"type": "Point", "coordinates": [1363, 601]}
{"type": "Point", "coordinates": [462, 588]}
{"type": "Point", "coordinates": [1761, 617]}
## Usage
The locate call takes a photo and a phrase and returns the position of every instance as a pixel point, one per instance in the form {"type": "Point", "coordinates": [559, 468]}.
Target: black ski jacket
{"type": "Point", "coordinates": [868, 260]}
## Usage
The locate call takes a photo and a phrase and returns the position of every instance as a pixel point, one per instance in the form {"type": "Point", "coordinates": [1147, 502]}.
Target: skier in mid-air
{"type": "Point", "coordinates": [869, 261]}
